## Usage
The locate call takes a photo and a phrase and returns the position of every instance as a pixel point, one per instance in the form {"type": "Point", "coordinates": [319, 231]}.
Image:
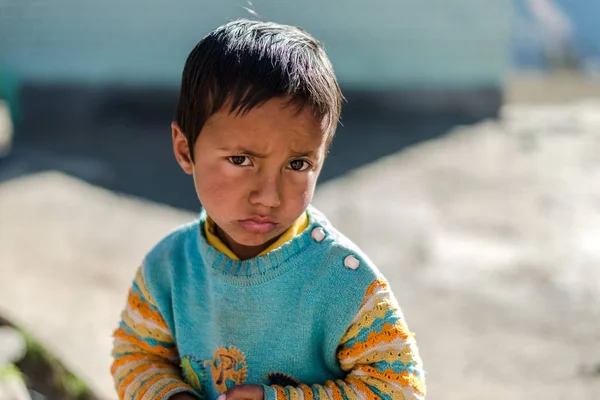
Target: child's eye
{"type": "Point", "coordinates": [241, 161]}
{"type": "Point", "coordinates": [299, 165]}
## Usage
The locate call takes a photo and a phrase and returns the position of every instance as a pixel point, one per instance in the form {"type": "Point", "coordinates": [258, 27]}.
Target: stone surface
{"type": "Point", "coordinates": [68, 253]}
{"type": "Point", "coordinates": [489, 237]}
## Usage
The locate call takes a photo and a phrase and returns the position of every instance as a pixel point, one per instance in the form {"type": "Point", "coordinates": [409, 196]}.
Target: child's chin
{"type": "Point", "coordinates": [255, 239]}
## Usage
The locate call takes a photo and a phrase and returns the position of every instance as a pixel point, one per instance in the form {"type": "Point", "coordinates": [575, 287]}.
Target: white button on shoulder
{"type": "Point", "coordinates": [318, 234]}
{"type": "Point", "coordinates": [351, 262]}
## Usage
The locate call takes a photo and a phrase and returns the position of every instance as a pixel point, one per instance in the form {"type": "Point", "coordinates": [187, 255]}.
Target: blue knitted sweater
{"type": "Point", "coordinates": [311, 319]}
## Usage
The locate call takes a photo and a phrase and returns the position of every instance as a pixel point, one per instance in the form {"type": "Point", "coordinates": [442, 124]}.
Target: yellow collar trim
{"type": "Point", "coordinates": [297, 228]}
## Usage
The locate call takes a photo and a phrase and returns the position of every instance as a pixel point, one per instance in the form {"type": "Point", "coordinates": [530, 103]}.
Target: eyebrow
{"type": "Point", "coordinates": [243, 150]}
{"type": "Point", "coordinates": [302, 153]}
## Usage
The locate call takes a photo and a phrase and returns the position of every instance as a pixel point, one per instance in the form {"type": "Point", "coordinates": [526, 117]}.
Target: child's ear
{"type": "Point", "coordinates": [181, 149]}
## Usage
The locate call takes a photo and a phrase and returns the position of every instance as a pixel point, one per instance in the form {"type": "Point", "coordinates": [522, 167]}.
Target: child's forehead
{"type": "Point", "coordinates": [266, 140]}
{"type": "Point", "coordinates": [267, 119]}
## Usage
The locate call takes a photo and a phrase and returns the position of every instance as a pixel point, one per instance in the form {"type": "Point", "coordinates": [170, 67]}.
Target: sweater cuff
{"type": "Point", "coordinates": [181, 389]}
{"type": "Point", "coordinates": [270, 393]}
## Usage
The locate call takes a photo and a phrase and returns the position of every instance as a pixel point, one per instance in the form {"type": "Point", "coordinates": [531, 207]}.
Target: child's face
{"type": "Point", "coordinates": [255, 174]}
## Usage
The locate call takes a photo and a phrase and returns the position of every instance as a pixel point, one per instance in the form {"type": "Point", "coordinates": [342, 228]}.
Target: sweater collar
{"type": "Point", "coordinates": [210, 234]}
{"type": "Point", "coordinates": [261, 268]}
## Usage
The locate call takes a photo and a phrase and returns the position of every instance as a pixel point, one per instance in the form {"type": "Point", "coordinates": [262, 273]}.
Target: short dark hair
{"type": "Point", "coordinates": [245, 63]}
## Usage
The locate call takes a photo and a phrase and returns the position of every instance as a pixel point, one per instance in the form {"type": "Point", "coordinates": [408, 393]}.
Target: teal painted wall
{"type": "Point", "coordinates": [374, 44]}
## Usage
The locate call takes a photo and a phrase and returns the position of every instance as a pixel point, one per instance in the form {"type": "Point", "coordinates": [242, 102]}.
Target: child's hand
{"type": "Point", "coordinates": [244, 392]}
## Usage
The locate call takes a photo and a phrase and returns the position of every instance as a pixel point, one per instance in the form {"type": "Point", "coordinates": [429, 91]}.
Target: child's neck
{"type": "Point", "coordinates": [241, 251]}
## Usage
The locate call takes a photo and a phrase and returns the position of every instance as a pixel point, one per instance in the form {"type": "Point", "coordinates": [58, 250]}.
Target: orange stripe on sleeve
{"type": "Point", "coordinates": [122, 334]}
{"type": "Point", "coordinates": [405, 379]}
{"type": "Point", "coordinates": [363, 388]}
{"type": "Point", "coordinates": [307, 391]}
{"type": "Point", "coordinates": [141, 307]}
{"type": "Point", "coordinates": [335, 391]}
{"type": "Point", "coordinates": [170, 387]}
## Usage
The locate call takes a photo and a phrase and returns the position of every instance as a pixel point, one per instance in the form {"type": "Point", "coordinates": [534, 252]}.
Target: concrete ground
{"type": "Point", "coordinates": [489, 236]}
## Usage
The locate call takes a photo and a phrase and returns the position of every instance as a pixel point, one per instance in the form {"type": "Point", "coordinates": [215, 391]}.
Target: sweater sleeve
{"type": "Point", "coordinates": [146, 360]}
{"type": "Point", "coordinates": [378, 354]}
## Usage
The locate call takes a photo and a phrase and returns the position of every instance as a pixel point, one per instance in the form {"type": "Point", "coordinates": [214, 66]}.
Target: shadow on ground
{"type": "Point", "coordinates": [120, 138]}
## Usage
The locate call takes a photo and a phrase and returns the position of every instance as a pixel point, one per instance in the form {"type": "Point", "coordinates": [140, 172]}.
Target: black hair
{"type": "Point", "coordinates": [245, 63]}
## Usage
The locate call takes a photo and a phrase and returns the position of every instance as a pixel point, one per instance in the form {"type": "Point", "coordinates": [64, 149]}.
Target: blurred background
{"type": "Point", "coordinates": [467, 166]}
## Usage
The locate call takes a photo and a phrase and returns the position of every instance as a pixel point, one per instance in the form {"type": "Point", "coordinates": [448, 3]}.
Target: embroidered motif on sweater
{"type": "Point", "coordinates": [228, 368]}
{"type": "Point", "coordinates": [281, 379]}
{"type": "Point", "coordinates": [194, 373]}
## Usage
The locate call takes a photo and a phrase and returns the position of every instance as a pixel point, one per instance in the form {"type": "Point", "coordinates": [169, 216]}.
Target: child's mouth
{"type": "Point", "coordinates": [257, 226]}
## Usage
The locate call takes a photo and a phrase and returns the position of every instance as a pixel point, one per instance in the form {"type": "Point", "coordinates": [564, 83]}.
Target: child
{"type": "Point", "coordinates": [260, 298]}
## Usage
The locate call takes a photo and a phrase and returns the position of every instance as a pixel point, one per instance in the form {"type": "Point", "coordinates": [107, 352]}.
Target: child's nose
{"type": "Point", "coordinates": [267, 192]}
